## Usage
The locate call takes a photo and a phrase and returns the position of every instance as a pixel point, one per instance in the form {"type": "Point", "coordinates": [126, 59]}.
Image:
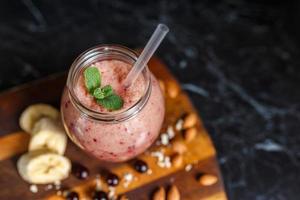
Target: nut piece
{"type": "Point", "coordinates": [172, 89]}
{"type": "Point", "coordinates": [190, 134]}
{"type": "Point", "coordinates": [207, 179]}
{"type": "Point", "coordinates": [177, 160]}
{"type": "Point", "coordinates": [173, 193]}
{"type": "Point", "coordinates": [160, 194]}
{"type": "Point", "coordinates": [179, 147]}
{"type": "Point", "coordinates": [190, 120]}
{"type": "Point", "coordinates": [162, 86]}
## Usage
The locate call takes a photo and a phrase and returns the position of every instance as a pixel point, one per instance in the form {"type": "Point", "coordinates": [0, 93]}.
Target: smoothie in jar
{"type": "Point", "coordinates": [112, 135]}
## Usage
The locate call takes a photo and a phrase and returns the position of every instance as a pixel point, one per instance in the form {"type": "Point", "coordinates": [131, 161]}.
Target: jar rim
{"type": "Point", "coordinates": [91, 55]}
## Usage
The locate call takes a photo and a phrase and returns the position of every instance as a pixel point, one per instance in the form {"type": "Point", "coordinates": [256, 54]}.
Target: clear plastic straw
{"type": "Point", "coordinates": [155, 40]}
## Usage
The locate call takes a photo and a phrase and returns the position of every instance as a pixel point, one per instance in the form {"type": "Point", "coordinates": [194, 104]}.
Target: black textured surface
{"type": "Point", "coordinates": [239, 61]}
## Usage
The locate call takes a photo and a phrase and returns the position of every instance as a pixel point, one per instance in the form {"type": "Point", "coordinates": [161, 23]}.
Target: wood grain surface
{"type": "Point", "coordinates": [13, 142]}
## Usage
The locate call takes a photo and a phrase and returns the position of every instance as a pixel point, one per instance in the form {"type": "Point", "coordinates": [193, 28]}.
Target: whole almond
{"type": "Point", "coordinates": [173, 193]}
{"type": "Point", "coordinates": [179, 147]}
{"type": "Point", "coordinates": [207, 179]}
{"type": "Point", "coordinates": [172, 89]}
{"type": "Point", "coordinates": [190, 120]}
{"type": "Point", "coordinates": [160, 194]}
{"type": "Point", "coordinates": [177, 160]}
{"type": "Point", "coordinates": [162, 86]}
{"type": "Point", "coordinates": [190, 134]}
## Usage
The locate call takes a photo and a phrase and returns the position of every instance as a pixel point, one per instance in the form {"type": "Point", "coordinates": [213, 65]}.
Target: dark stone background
{"type": "Point", "coordinates": [239, 61]}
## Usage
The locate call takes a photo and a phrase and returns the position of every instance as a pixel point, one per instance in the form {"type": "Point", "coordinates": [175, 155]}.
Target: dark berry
{"type": "Point", "coordinates": [80, 171]}
{"type": "Point", "coordinates": [72, 196]}
{"type": "Point", "coordinates": [140, 166]}
{"type": "Point", "coordinates": [100, 195]}
{"type": "Point", "coordinates": [112, 179]}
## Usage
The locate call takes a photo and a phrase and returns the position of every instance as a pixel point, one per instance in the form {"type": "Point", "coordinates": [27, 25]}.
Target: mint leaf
{"type": "Point", "coordinates": [92, 78]}
{"type": "Point", "coordinates": [112, 102]}
{"type": "Point", "coordinates": [98, 93]}
{"type": "Point", "coordinates": [105, 95]}
{"type": "Point", "coordinates": [107, 90]}
{"type": "Point", "coordinates": [101, 93]}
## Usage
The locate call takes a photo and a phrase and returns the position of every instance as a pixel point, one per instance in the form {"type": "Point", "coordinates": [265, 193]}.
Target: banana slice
{"type": "Point", "coordinates": [34, 112]}
{"type": "Point", "coordinates": [43, 166]}
{"type": "Point", "coordinates": [48, 133]}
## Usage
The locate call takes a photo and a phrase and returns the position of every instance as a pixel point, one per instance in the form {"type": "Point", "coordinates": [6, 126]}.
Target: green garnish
{"type": "Point", "coordinates": [92, 79]}
{"type": "Point", "coordinates": [104, 96]}
{"type": "Point", "coordinates": [98, 94]}
{"type": "Point", "coordinates": [101, 93]}
{"type": "Point", "coordinates": [112, 102]}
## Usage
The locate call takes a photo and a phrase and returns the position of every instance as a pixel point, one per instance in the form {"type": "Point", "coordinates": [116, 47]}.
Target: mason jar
{"type": "Point", "coordinates": [119, 135]}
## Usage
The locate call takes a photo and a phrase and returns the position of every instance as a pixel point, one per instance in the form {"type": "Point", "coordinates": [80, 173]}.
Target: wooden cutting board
{"type": "Point", "coordinates": [13, 142]}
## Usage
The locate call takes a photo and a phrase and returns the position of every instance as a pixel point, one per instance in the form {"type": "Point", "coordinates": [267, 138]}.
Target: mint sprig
{"type": "Point", "coordinates": [112, 102]}
{"type": "Point", "coordinates": [104, 96]}
{"type": "Point", "coordinates": [92, 78]}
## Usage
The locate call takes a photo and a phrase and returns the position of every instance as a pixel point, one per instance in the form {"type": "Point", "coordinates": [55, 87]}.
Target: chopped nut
{"type": "Point", "coordinates": [149, 171]}
{"type": "Point", "coordinates": [179, 147]}
{"type": "Point", "coordinates": [170, 132]}
{"type": "Point", "coordinates": [177, 160]}
{"type": "Point", "coordinates": [167, 162]}
{"type": "Point", "coordinates": [159, 155]}
{"type": "Point", "coordinates": [190, 120]}
{"type": "Point", "coordinates": [179, 125]}
{"type": "Point", "coordinates": [172, 89]}
{"type": "Point", "coordinates": [128, 178]}
{"type": "Point", "coordinates": [207, 179]}
{"type": "Point", "coordinates": [57, 185]}
{"type": "Point", "coordinates": [162, 160]}
{"type": "Point", "coordinates": [164, 139]}
{"type": "Point", "coordinates": [190, 134]}
{"type": "Point", "coordinates": [162, 86]}
{"type": "Point", "coordinates": [111, 192]}
{"type": "Point", "coordinates": [188, 167]}
{"type": "Point", "coordinates": [160, 194]}
{"type": "Point", "coordinates": [173, 193]}
{"type": "Point", "coordinates": [33, 188]}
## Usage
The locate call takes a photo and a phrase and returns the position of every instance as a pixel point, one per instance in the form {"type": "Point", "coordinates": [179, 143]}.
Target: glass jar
{"type": "Point", "coordinates": [112, 136]}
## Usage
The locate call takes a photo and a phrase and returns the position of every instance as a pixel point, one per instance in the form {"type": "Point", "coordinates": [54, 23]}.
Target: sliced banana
{"type": "Point", "coordinates": [43, 166]}
{"type": "Point", "coordinates": [49, 134]}
{"type": "Point", "coordinates": [35, 112]}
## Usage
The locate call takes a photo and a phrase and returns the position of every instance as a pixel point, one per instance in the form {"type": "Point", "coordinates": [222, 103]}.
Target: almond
{"type": "Point", "coordinates": [173, 193]}
{"type": "Point", "coordinates": [162, 86]}
{"type": "Point", "coordinates": [190, 134]}
{"type": "Point", "coordinates": [172, 89]}
{"type": "Point", "coordinates": [207, 179]}
{"type": "Point", "coordinates": [190, 120]}
{"type": "Point", "coordinates": [177, 160]}
{"type": "Point", "coordinates": [160, 194]}
{"type": "Point", "coordinates": [179, 147]}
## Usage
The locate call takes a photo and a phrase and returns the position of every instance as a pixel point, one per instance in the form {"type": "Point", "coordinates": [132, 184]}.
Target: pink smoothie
{"type": "Point", "coordinates": [117, 141]}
